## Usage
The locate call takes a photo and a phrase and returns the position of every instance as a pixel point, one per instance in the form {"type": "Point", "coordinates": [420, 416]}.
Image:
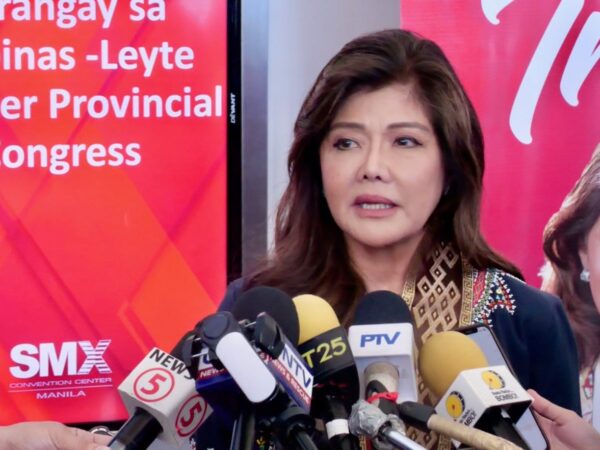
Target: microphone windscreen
{"type": "Point", "coordinates": [381, 307]}
{"type": "Point", "coordinates": [444, 355]}
{"type": "Point", "coordinates": [272, 301]}
{"type": "Point", "coordinates": [315, 316]}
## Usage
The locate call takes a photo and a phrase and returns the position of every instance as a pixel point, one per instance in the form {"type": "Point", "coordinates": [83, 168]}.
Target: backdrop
{"type": "Point", "coordinates": [112, 194]}
{"type": "Point", "coordinates": [531, 70]}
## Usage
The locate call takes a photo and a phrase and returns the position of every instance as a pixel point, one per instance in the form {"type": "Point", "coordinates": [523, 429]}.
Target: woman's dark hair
{"type": "Point", "coordinates": [564, 236]}
{"type": "Point", "coordinates": [309, 254]}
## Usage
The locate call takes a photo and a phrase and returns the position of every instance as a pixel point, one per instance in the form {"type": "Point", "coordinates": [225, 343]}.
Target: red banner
{"type": "Point", "coordinates": [112, 194]}
{"type": "Point", "coordinates": [531, 69]}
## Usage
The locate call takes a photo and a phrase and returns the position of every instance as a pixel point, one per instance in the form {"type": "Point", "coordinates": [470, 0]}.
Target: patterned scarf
{"type": "Point", "coordinates": [448, 293]}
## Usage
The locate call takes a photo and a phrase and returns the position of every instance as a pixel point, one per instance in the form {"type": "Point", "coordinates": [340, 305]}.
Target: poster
{"type": "Point", "coordinates": [112, 193]}
{"type": "Point", "coordinates": [531, 70]}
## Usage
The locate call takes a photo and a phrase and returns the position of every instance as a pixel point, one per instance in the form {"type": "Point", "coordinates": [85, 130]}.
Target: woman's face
{"type": "Point", "coordinates": [590, 259]}
{"type": "Point", "coordinates": [382, 167]}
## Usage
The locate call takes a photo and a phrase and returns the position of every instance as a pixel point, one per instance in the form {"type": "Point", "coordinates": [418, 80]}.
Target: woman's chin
{"type": "Point", "coordinates": [381, 241]}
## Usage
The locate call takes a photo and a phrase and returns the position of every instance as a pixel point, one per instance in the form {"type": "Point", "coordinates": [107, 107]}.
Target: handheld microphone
{"type": "Point", "coordinates": [487, 398]}
{"type": "Point", "coordinates": [324, 346]}
{"type": "Point", "coordinates": [275, 380]}
{"type": "Point", "coordinates": [381, 339]}
{"type": "Point", "coordinates": [278, 354]}
{"type": "Point", "coordinates": [254, 302]}
{"type": "Point", "coordinates": [370, 421]}
{"type": "Point", "coordinates": [383, 377]}
{"type": "Point", "coordinates": [424, 417]}
{"type": "Point", "coordinates": [162, 401]}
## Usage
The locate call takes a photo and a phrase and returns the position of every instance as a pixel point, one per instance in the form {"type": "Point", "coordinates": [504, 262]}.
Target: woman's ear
{"type": "Point", "coordinates": [583, 256]}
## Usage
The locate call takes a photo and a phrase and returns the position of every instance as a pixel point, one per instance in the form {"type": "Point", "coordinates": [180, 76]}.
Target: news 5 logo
{"type": "Point", "coordinates": [50, 359]}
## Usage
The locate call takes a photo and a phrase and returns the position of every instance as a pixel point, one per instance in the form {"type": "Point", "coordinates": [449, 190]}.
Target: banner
{"type": "Point", "coordinates": [112, 193]}
{"type": "Point", "coordinates": [531, 70]}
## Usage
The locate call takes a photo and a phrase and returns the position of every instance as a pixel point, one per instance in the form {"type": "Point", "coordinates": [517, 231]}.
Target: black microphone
{"type": "Point", "coordinates": [161, 393]}
{"type": "Point", "coordinates": [255, 301]}
{"type": "Point", "coordinates": [275, 380]}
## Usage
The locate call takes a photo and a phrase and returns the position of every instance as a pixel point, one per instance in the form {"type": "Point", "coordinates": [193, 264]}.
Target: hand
{"type": "Point", "coordinates": [49, 436]}
{"type": "Point", "coordinates": [564, 428]}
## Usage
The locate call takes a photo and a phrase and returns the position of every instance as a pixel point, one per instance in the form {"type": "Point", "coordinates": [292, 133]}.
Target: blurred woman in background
{"type": "Point", "coordinates": [572, 246]}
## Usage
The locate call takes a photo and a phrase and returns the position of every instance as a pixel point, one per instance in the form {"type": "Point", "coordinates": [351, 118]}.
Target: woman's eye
{"type": "Point", "coordinates": [407, 142]}
{"type": "Point", "coordinates": [345, 144]}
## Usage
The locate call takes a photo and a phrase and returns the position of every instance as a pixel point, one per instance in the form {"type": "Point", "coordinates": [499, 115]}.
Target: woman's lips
{"type": "Point", "coordinates": [374, 205]}
{"type": "Point", "coordinates": [373, 202]}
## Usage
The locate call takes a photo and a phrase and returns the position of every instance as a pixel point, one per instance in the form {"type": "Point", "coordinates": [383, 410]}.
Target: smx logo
{"type": "Point", "coordinates": [46, 360]}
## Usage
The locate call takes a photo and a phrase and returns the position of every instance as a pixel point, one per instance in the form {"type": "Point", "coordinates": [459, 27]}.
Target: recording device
{"type": "Point", "coordinates": [481, 396]}
{"type": "Point", "coordinates": [382, 378]}
{"type": "Point", "coordinates": [161, 391]}
{"type": "Point", "coordinates": [527, 424]}
{"type": "Point", "coordinates": [257, 359]}
{"type": "Point", "coordinates": [424, 418]}
{"type": "Point", "coordinates": [160, 396]}
{"type": "Point", "coordinates": [369, 421]}
{"type": "Point", "coordinates": [381, 339]}
{"type": "Point", "coordinates": [279, 307]}
{"type": "Point", "coordinates": [324, 346]}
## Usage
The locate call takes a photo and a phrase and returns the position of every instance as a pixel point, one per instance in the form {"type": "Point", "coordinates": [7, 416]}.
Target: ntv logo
{"type": "Point", "coordinates": [45, 361]}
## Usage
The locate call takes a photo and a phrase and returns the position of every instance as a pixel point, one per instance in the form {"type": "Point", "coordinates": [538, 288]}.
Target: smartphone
{"type": "Point", "coordinates": [527, 425]}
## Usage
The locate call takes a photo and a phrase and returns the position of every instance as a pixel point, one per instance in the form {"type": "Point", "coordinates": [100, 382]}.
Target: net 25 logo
{"type": "Point", "coordinates": [48, 359]}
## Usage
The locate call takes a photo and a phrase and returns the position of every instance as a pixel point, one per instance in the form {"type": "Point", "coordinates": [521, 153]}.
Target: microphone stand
{"type": "Point", "coordinates": [292, 426]}
{"type": "Point", "coordinates": [244, 428]}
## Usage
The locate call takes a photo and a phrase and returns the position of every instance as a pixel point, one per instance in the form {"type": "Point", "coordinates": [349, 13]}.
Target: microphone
{"type": "Point", "coordinates": [382, 377]}
{"type": "Point", "coordinates": [162, 401]}
{"type": "Point", "coordinates": [217, 385]}
{"type": "Point", "coordinates": [274, 380]}
{"type": "Point", "coordinates": [324, 346]}
{"type": "Point", "coordinates": [277, 304]}
{"type": "Point", "coordinates": [487, 398]}
{"type": "Point", "coordinates": [368, 420]}
{"type": "Point", "coordinates": [381, 339]}
{"type": "Point", "coordinates": [424, 417]}
{"type": "Point", "coordinates": [274, 302]}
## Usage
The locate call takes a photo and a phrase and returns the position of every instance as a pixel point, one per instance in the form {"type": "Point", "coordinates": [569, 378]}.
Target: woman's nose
{"type": "Point", "coordinates": [375, 166]}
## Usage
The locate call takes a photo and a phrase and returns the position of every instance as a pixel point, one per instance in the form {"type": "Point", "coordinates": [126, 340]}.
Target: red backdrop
{"type": "Point", "coordinates": [498, 46]}
{"type": "Point", "coordinates": [131, 252]}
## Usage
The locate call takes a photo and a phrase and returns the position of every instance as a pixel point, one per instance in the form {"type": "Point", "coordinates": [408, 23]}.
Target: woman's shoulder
{"type": "Point", "coordinates": [532, 328]}
{"type": "Point", "coordinates": [499, 294]}
{"type": "Point", "coordinates": [234, 289]}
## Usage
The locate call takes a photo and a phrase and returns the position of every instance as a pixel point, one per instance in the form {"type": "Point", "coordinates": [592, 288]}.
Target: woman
{"type": "Point", "coordinates": [386, 172]}
{"type": "Point", "coordinates": [572, 246]}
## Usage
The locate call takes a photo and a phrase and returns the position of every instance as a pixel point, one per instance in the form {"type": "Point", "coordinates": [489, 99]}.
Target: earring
{"type": "Point", "coordinates": [585, 276]}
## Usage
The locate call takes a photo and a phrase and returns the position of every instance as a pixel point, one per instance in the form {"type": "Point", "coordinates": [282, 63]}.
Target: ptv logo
{"type": "Point", "coordinates": [45, 360]}
{"type": "Point", "coordinates": [379, 339]}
